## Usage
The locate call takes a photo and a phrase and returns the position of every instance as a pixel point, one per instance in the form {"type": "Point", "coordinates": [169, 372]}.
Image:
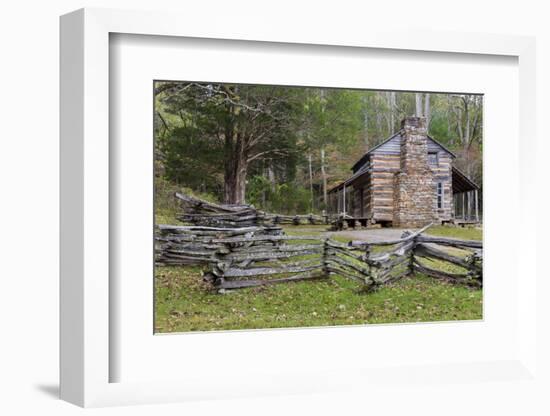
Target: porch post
{"type": "Point", "coordinates": [476, 205]}
{"type": "Point", "coordinates": [469, 205]}
{"type": "Point", "coordinates": [344, 199]}
{"type": "Point", "coordinates": [455, 204]}
{"type": "Point", "coordinates": [470, 202]}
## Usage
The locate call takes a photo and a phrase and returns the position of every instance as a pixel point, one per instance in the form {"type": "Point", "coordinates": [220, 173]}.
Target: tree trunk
{"type": "Point", "coordinates": [324, 175]}
{"type": "Point", "coordinates": [379, 131]}
{"type": "Point", "coordinates": [466, 140]}
{"type": "Point", "coordinates": [427, 110]}
{"type": "Point", "coordinates": [366, 127]}
{"type": "Point", "coordinates": [389, 112]}
{"type": "Point", "coordinates": [467, 128]}
{"type": "Point", "coordinates": [459, 125]}
{"type": "Point", "coordinates": [271, 175]}
{"type": "Point", "coordinates": [390, 96]}
{"type": "Point", "coordinates": [310, 182]}
{"type": "Point", "coordinates": [449, 112]}
{"type": "Point", "coordinates": [392, 109]}
{"type": "Point", "coordinates": [418, 102]}
{"type": "Point", "coordinates": [366, 121]}
{"type": "Point", "coordinates": [235, 180]}
{"type": "Point", "coordinates": [236, 165]}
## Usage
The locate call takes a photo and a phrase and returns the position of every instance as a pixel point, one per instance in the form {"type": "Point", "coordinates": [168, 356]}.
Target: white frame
{"type": "Point", "coordinates": [85, 184]}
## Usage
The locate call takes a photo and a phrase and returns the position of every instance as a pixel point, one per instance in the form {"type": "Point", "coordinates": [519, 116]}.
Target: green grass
{"type": "Point", "coordinates": [456, 232]}
{"type": "Point", "coordinates": [167, 207]}
{"type": "Point", "coordinates": [185, 303]}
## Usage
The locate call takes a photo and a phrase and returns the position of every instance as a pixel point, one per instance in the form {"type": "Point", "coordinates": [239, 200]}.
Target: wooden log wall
{"type": "Point", "coordinates": [443, 173]}
{"type": "Point", "coordinates": [381, 190]}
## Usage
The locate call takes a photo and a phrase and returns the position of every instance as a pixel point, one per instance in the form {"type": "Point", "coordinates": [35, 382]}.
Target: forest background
{"type": "Point", "coordinates": [282, 148]}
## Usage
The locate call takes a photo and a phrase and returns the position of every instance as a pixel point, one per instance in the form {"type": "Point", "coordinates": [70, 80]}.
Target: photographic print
{"type": "Point", "coordinates": [289, 206]}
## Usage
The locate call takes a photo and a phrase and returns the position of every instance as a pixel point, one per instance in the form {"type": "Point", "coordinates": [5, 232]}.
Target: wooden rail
{"type": "Point", "coordinates": [240, 257]}
{"type": "Point", "coordinates": [294, 219]}
{"type": "Point", "coordinates": [196, 245]}
{"type": "Point", "coordinates": [200, 212]}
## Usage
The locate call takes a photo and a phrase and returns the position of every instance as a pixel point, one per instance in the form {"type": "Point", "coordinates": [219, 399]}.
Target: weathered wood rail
{"type": "Point", "coordinates": [266, 259]}
{"type": "Point", "coordinates": [255, 256]}
{"type": "Point", "coordinates": [294, 219]}
{"type": "Point", "coordinates": [469, 267]}
{"type": "Point", "coordinates": [245, 247]}
{"type": "Point", "coordinates": [200, 212]}
{"type": "Point", "coordinates": [193, 245]}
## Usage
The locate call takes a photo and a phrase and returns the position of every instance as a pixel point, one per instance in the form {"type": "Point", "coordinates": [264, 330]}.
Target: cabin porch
{"type": "Point", "coordinates": [467, 201]}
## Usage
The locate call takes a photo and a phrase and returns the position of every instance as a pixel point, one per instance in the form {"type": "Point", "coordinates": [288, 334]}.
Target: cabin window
{"type": "Point", "coordinates": [433, 159]}
{"type": "Point", "coordinates": [440, 195]}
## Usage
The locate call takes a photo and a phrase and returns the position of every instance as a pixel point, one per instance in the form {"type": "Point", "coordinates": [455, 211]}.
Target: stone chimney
{"type": "Point", "coordinates": [414, 196]}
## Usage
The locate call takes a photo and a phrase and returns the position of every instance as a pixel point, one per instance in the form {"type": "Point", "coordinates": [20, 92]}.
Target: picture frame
{"type": "Point", "coordinates": [86, 263]}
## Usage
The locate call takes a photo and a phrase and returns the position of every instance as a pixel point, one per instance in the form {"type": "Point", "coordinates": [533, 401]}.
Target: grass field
{"type": "Point", "coordinates": [185, 303]}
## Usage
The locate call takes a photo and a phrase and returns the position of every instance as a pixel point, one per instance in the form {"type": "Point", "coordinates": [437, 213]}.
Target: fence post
{"type": "Point", "coordinates": [475, 269]}
{"type": "Point", "coordinates": [324, 258]}
{"type": "Point", "coordinates": [368, 251]}
{"type": "Point", "coordinates": [411, 261]}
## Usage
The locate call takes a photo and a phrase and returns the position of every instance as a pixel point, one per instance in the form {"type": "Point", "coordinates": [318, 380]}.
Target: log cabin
{"type": "Point", "coordinates": [408, 180]}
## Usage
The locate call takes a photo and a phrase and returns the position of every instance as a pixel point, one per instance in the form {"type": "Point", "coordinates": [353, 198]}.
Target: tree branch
{"type": "Point", "coordinates": [274, 151]}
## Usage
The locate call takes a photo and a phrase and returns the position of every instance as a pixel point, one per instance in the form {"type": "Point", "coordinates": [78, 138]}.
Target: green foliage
{"type": "Point", "coordinates": [334, 117]}
{"type": "Point", "coordinates": [191, 161]}
{"type": "Point", "coordinates": [205, 133]}
{"type": "Point", "coordinates": [285, 198]}
{"type": "Point", "coordinates": [439, 129]}
{"type": "Point", "coordinates": [166, 206]}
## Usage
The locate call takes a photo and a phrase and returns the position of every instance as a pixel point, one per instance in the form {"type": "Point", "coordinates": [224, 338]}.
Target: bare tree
{"type": "Point", "coordinates": [423, 106]}
{"type": "Point", "coordinates": [310, 180]}
{"type": "Point", "coordinates": [427, 109]}
{"type": "Point", "coordinates": [467, 111]}
{"type": "Point", "coordinates": [418, 104]}
{"type": "Point", "coordinates": [390, 98]}
{"type": "Point", "coordinates": [324, 176]}
{"type": "Point", "coordinates": [366, 126]}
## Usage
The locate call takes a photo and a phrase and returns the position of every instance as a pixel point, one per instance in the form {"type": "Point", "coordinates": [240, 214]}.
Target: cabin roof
{"type": "Point", "coordinates": [349, 180]}
{"type": "Point", "coordinates": [461, 183]}
{"type": "Point", "coordinates": [373, 149]}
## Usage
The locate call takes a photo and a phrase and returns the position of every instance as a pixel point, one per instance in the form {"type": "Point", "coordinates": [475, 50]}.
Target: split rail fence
{"type": "Point", "coordinates": [260, 255]}
{"type": "Point", "coordinates": [201, 212]}
{"type": "Point", "coordinates": [194, 245]}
